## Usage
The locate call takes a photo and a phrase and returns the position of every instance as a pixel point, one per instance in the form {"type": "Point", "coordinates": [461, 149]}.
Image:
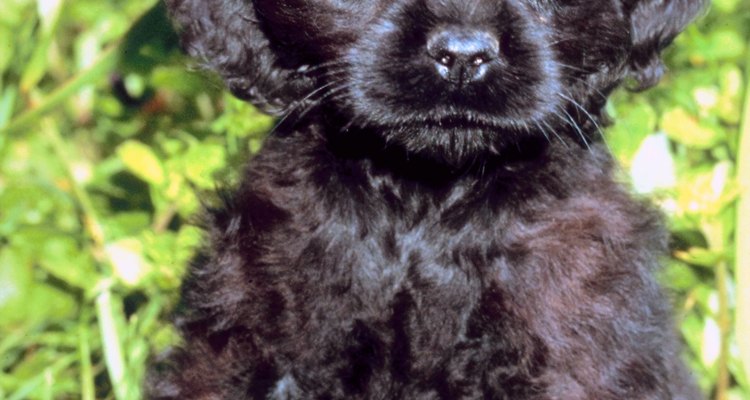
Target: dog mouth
{"type": "Point", "coordinates": [455, 123]}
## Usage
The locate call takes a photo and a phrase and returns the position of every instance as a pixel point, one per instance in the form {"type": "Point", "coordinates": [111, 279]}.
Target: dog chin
{"type": "Point", "coordinates": [456, 140]}
{"type": "Point", "coordinates": [455, 147]}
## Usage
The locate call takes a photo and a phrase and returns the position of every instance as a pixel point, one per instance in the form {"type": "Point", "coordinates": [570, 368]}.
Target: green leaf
{"type": "Point", "coordinates": [24, 300]}
{"type": "Point", "coordinates": [126, 223]}
{"type": "Point", "coordinates": [634, 122]}
{"type": "Point", "coordinates": [707, 191]}
{"type": "Point", "coordinates": [171, 252]}
{"type": "Point", "coordinates": [684, 128]}
{"type": "Point", "coordinates": [127, 261]}
{"type": "Point", "coordinates": [700, 256]}
{"type": "Point", "coordinates": [141, 161]}
{"type": "Point", "coordinates": [40, 371]}
{"type": "Point", "coordinates": [176, 194]}
{"type": "Point", "coordinates": [240, 119]}
{"type": "Point", "coordinates": [679, 276]}
{"type": "Point", "coordinates": [724, 45]}
{"type": "Point", "coordinates": [201, 162]}
{"type": "Point", "coordinates": [691, 328]}
{"type": "Point", "coordinates": [15, 285]}
{"type": "Point", "coordinates": [62, 257]}
{"type": "Point", "coordinates": [178, 79]}
{"type": "Point", "coordinates": [6, 48]}
{"type": "Point", "coordinates": [7, 102]}
{"type": "Point", "coordinates": [14, 11]}
{"type": "Point", "coordinates": [725, 6]}
{"type": "Point", "coordinates": [730, 95]}
{"type": "Point", "coordinates": [49, 13]}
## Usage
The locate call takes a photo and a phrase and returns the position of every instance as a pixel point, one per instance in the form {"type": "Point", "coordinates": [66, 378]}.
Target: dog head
{"type": "Point", "coordinates": [450, 79]}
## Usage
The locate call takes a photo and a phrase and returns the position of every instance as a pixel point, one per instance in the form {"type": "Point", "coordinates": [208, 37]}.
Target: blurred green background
{"type": "Point", "coordinates": [108, 143]}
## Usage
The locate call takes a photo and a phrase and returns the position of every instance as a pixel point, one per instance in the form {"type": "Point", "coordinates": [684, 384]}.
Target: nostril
{"type": "Point", "coordinates": [479, 60]}
{"type": "Point", "coordinates": [459, 43]}
{"type": "Point", "coordinates": [446, 59]}
{"type": "Point", "coordinates": [461, 52]}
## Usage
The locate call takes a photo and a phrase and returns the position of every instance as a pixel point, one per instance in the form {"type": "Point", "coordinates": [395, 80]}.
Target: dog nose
{"type": "Point", "coordinates": [462, 55]}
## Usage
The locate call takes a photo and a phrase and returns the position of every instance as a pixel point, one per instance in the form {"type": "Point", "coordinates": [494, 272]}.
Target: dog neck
{"type": "Point", "coordinates": [536, 166]}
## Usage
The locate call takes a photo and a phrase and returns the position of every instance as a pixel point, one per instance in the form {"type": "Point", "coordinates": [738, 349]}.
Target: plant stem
{"type": "Point", "coordinates": [89, 214]}
{"type": "Point", "coordinates": [84, 353]}
{"type": "Point", "coordinates": [32, 384]}
{"type": "Point", "coordinates": [714, 231]}
{"type": "Point", "coordinates": [101, 67]}
{"type": "Point", "coordinates": [742, 241]}
{"type": "Point", "coordinates": [725, 326]}
{"type": "Point", "coordinates": [112, 343]}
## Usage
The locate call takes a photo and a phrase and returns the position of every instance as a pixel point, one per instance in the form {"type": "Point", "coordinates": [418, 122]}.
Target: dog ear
{"type": "Point", "coordinates": [654, 24]}
{"type": "Point", "coordinates": [226, 36]}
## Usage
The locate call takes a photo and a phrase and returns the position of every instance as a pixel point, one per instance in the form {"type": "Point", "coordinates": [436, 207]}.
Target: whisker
{"type": "Point", "coordinates": [574, 68]}
{"type": "Point", "coordinates": [583, 81]}
{"type": "Point", "coordinates": [571, 121]}
{"type": "Point", "coordinates": [324, 65]}
{"type": "Point", "coordinates": [327, 73]}
{"type": "Point", "coordinates": [588, 115]}
{"type": "Point", "coordinates": [544, 132]}
{"type": "Point", "coordinates": [554, 132]}
{"type": "Point", "coordinates": [309, 102]}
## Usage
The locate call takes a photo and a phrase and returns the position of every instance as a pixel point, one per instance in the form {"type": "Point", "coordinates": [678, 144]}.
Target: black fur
{"type": "Point", "coordinates": [406, 235]}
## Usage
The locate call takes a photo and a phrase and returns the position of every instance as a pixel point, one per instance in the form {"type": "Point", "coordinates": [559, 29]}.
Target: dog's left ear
{"type": "Point", "coordinates": [653, 26]}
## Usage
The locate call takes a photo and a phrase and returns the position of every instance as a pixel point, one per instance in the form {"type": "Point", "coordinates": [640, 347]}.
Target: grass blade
{"type": "Point", "coordinates": [112, 344]}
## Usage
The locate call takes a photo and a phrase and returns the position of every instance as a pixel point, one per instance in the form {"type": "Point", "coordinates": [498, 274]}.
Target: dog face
{"type": "Point", "coordinates": [453, 80]}
{"type": "Point", "coordinates": [449, 79]}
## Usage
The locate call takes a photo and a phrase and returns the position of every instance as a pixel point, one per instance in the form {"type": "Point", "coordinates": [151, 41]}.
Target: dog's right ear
{"type": "Point", "coordinates": [654, 24]}
{"type": "Point", "coordinates": [226, 36]}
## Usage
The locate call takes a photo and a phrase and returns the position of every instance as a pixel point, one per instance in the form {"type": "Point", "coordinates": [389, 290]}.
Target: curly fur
{"type": "Point", "coordinates": [402, 235]}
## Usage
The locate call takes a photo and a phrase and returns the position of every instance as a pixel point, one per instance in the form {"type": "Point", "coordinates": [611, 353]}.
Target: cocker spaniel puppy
{"type": "Point", "coordinates": [435, 216]}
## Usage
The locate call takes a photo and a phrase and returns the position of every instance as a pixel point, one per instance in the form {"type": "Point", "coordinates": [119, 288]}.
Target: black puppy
{"type": "Point", "coordinates": [435, 217]}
